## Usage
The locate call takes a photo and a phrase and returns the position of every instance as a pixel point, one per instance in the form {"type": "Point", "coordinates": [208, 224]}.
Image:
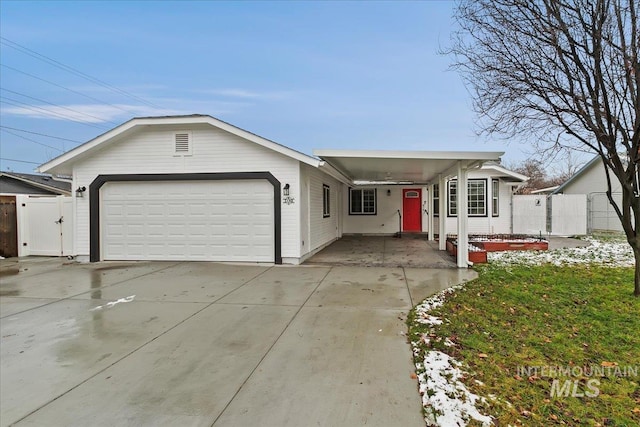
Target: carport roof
{"type": "Point", "coordinates": [399, 167]}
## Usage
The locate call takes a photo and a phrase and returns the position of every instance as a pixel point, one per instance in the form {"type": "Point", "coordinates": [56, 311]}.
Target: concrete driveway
{"type": "Point", "coordinates": [169, 343]}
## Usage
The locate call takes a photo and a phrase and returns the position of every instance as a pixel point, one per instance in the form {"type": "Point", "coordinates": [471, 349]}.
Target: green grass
{"type": "Point", "coordinates": [544, 316]}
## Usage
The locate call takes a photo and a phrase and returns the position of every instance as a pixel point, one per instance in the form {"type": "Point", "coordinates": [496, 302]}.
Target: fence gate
{"type": "Point", "coordinates": [529, 214]}
{"type": "Point", "coordinates": [48, 226]}
{"type": "Point", "coordinates": [567, 214]}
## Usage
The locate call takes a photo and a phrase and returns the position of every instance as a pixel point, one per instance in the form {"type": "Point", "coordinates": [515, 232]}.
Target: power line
{"type": "Point", "coordinates": [72, 70]}
{"type": "Point", "coordinates": [60, 106]}
{"type": "Point", "coordinates": [41, 134]}
{"type": "Point", "coordinates": [68, 89]}
{"type": "Point", "coordinates": [35, 108]}
{"type": "Point", "coordinates": [31, 140]}
{"type": "Point", "coordinates": [19, 161]}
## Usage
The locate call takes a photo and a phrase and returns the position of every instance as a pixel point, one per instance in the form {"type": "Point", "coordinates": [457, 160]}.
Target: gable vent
{"type": "Point", "coordinates": [182, 143]}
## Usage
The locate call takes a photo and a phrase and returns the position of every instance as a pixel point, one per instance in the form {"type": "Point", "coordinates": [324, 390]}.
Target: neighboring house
{"type": "Point", "coordinates": [197, 188]}
{"type": "Point", "coordinates": [18, 192]}
{"type": "Point", "coordinates": [26, 183]}
{"type": "Point", "coordinates": [592, 181]}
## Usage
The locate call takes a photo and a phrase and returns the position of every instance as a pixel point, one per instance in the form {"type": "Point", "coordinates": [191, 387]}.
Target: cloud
{"type": "Point", "coordinates": [248, 94]}
{"type": "Point", "coordinates": [114, 114]}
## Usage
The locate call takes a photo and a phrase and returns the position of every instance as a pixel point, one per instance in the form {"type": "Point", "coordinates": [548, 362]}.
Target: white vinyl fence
{"type": "Point", "coordinates": [558, 215]}
{"type": "Point", "coordinates": [568, 214]}
{"type": "Point", "coordinates": [45, 225]}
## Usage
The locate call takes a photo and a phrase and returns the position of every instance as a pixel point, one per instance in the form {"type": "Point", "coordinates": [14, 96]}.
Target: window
{"type": "Point", "coordinates": [436, 199]}
{"type": "Point", "coordinates": [182, 144]}
{"type": "Point", "coordinates": [476, 197]}
{"type": "Point", "coordinates": [362, 201]}
{"type": "Point", "coordinates": [495, 197]}
{"type": "Point", "coordinates": [453, 198]}
{"type": "Point", "coordinates": [326, 201]}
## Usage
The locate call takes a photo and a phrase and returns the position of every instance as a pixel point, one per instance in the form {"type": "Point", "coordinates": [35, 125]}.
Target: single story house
{"type": "Point", "coordinates": [197, 188]}
{"type": "Point", "coordinates": [591, 180]}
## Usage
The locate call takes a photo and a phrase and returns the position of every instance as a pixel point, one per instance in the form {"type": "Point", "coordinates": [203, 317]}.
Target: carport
{"type": "Point", "coordinates": [424, 168]}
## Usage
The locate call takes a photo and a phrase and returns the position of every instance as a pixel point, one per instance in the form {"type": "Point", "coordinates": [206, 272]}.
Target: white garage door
{"type": "Point", "coordinates": [188, 220]}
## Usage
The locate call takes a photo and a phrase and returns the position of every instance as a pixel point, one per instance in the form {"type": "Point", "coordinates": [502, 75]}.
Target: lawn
{"type": "Point", "coordinates": [532, 345]}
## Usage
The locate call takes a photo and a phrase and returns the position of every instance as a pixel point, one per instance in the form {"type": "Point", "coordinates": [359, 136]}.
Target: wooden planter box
{"type": "Point", "coordinates": [476, 257]}
{"type": "Point", "coordinates": [512, 246]}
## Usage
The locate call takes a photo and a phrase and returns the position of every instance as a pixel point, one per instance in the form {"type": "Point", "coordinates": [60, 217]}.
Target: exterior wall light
{"type": "Point", "coordinates": [388, 192]}
{"type": "Point", "coordinates": [285, 190]}
{"type": "Point", "coordinates": [80, 191]}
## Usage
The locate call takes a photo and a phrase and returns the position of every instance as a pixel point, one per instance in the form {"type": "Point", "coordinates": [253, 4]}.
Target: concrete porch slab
{"type": "Point", "coordinates": [411, 250]}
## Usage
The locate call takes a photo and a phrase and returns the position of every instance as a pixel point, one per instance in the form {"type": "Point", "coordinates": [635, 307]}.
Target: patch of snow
{"type": "Point", "coordinates": [447, 399]}
{"type": "Point", "coordinates": [112, 303]}
{"type": "Point", "coordinates": [614, 254]}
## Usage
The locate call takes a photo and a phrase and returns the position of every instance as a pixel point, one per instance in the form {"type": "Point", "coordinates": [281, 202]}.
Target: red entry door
{"type": "Point", "coordinates": [411, 209]}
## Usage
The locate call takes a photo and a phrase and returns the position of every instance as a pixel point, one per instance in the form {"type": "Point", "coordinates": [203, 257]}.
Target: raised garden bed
{"type": "Point", "coordinates": [508, 242]}
{"type": "Point", "coordinates": [479, 245]}
{"type": "Point", "coordinates": [476, 255]}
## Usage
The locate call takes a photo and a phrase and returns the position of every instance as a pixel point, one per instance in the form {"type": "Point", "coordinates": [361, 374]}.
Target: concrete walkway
{"type": "Point", "coordinates": [209, 344]}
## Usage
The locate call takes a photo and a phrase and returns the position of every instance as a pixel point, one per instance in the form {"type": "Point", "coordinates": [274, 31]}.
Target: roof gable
{"type": "Point", "coordinates": [117, 133]}
{"type": "Point", "coordinates": [576, 176]}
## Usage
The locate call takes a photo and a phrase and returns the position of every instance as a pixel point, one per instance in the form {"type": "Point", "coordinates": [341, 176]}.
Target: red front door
{"type": "Point", "coordinates": [411, 209]}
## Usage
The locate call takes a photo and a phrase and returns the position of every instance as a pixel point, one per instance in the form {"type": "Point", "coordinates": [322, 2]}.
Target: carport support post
{"type": "Point", "coordinates": [463, 212]}
{"type": "Point", "coordinates": [442, 218]}
{"type": "Point", "coordinates": [429, 209]}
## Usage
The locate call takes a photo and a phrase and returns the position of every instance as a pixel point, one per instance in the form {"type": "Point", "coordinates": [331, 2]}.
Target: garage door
{"type": "Point", "coordinates": [188, 220]}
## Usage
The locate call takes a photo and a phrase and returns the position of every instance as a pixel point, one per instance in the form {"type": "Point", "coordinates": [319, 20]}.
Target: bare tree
{"type": "Point", "coordinates": [564, 168]}
{"type": "Point", "coordinates": [563, 74]}
{"type": "Point", "coordinates": [534, 169]}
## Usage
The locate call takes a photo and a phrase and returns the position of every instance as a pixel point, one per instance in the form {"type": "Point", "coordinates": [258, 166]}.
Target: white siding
{"type": "Point", "coordinates": [386, 221]}
{"type": "Point", "coordinates": [320, 230]}
{"type": "Point", "coordinates": [490, 224]}
{"type": "Point", "coordinates": [592, 180]}
{"type": "Point", "coordinates": [151, 150]}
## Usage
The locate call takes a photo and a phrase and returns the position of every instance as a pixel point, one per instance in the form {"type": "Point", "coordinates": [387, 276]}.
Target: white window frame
{"type": "Point", "coordinates": [363, 191]}
{"type": "Point", "coordinates": [495, 197]}
{"type": "Point", "coordinates": [436, 200]}
{"type": "Point", "coordinates": [326, 201]}
{"type": "Point", "coordinates": [452, 198]}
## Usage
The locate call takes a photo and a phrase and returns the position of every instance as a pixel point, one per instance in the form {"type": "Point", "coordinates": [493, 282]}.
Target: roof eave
{"type": "Point", "coordinates": [427, 155]}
